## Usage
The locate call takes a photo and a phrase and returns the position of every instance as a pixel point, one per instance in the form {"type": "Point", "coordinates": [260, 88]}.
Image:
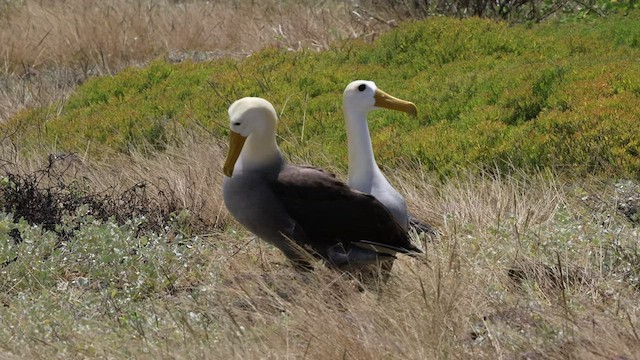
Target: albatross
{"type": "Point", "coordinates": [301, 207]}
{"type": "Point", "coordinates": [359, 98]}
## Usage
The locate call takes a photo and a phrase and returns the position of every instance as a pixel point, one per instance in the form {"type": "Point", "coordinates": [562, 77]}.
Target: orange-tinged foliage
{"type": "Point", "coordinates": [549, 95]}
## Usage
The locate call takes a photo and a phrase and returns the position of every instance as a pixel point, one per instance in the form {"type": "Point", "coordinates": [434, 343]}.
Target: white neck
{"type": "Point", "coordinates": [260, 151]}
{"type": "Point", "coordinates": [362, 164]}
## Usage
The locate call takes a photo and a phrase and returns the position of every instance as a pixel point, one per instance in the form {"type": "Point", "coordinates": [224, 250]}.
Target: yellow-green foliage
{"type": "Point", "coordinates": [563, 95]}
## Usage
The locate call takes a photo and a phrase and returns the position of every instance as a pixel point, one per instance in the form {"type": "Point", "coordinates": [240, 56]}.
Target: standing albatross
{"type": "Point", "coordinates": [359, 98]}
{"type": "Point", "coordinates": [301, 207]}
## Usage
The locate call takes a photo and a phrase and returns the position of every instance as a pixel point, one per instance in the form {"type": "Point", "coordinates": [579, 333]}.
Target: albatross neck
{"type": "Point", "coordinates": [362, 164]}
{"type": "Point", "coordinates": [261, 151]}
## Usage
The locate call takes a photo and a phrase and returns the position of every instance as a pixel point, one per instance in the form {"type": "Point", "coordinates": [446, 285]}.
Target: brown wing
{"type": "Point", "coordinates": [329, 211]}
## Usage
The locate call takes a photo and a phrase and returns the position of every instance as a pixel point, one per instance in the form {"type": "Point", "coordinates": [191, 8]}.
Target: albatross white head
{"type": "Point", "coordinates": [252, 140]}
{"type": "Point", "coordinates": [362, 96]}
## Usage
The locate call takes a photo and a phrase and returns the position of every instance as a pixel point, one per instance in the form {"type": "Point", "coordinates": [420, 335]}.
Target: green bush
{"type": "Point", "coordinates": [563, 95]}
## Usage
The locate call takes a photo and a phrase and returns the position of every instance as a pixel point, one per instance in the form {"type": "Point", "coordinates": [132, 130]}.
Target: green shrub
{"type": "Point", "coordinates": [562, 95]}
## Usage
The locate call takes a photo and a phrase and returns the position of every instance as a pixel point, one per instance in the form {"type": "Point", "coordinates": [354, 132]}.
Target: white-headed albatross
{"type": "Point", "coordinates": [359, 98]}
{"type": "Point", "coordinates": [295, 207]}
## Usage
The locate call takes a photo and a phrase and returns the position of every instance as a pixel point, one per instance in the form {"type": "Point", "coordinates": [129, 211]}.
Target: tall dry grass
{"type": "Point", "coordinates": [486, 201]}
{"type": "Point", "coordinates": [102, 36]}
{"type": "Point", "coordinates": [188, 176]}
{"type": "Point", "coordinates": [498, 281]}
{"type": "Point", "coordinates": [50, 46]}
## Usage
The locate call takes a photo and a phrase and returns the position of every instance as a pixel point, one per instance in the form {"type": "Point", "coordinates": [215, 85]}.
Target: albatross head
{"type": "Point", "coordinates": [249, 115]}
{"type": "Point", "coordinates": [362, 96]}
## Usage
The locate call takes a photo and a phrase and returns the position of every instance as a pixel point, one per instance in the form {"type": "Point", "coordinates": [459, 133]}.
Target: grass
{"type": "Point", "coordinates": [524, 267]}
{"type": "Point", "coordinates": [532, 261]}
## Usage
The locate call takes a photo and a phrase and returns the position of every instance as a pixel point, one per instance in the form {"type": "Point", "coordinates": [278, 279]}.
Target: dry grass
{"type": "Point", "coordinates": [188, 175]}
{"type": "Point", "coordinates": [232, 296]}
{"type": "Point", "coordinates": [110, 34]}
{"type": "Point", "coordinates": [50, 46]}
{"type": "Point", "coordinates": [486, 201]}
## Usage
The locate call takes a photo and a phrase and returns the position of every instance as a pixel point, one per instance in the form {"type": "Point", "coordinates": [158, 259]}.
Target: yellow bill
{"type": "Point", "coordinates": [387, 101]}
{"type": "Point", "coordinates": [236, 142]}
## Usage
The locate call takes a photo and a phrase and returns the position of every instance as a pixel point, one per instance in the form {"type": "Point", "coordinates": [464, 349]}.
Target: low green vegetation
{"type": "Point", "coordinates": [562, 95]}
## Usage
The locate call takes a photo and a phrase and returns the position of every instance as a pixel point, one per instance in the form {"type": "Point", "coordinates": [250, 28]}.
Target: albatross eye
{"type": "Point", "coordinates": [362, 87]}
{"type": "Point", "coordinates": [237, 123]}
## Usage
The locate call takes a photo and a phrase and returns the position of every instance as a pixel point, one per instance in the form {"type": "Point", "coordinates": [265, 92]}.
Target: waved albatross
{"type": "Point", "coordinates": [359, 98]}
{"type": "Point", "coordinates": [294, 207]}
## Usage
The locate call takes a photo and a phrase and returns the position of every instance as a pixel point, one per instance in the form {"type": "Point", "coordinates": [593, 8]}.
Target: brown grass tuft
{"type": "Point", "coordinates": [103, 36]}
{"type": "Point", "coordinates": [186, 177]}
{"type": "Point", "coordinates": [481, 201]}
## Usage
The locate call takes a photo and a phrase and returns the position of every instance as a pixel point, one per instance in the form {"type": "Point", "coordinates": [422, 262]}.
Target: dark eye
{"type": "Point", "coordinates": [362, 87]}
{"type": "Point", "coordinates": [236, 123]}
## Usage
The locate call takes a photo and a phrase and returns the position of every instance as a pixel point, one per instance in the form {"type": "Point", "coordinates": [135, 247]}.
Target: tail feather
{"type": "Point", "coordinates": [355, 256]}
{"type": "Point", "coordinates": [387, 249]}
